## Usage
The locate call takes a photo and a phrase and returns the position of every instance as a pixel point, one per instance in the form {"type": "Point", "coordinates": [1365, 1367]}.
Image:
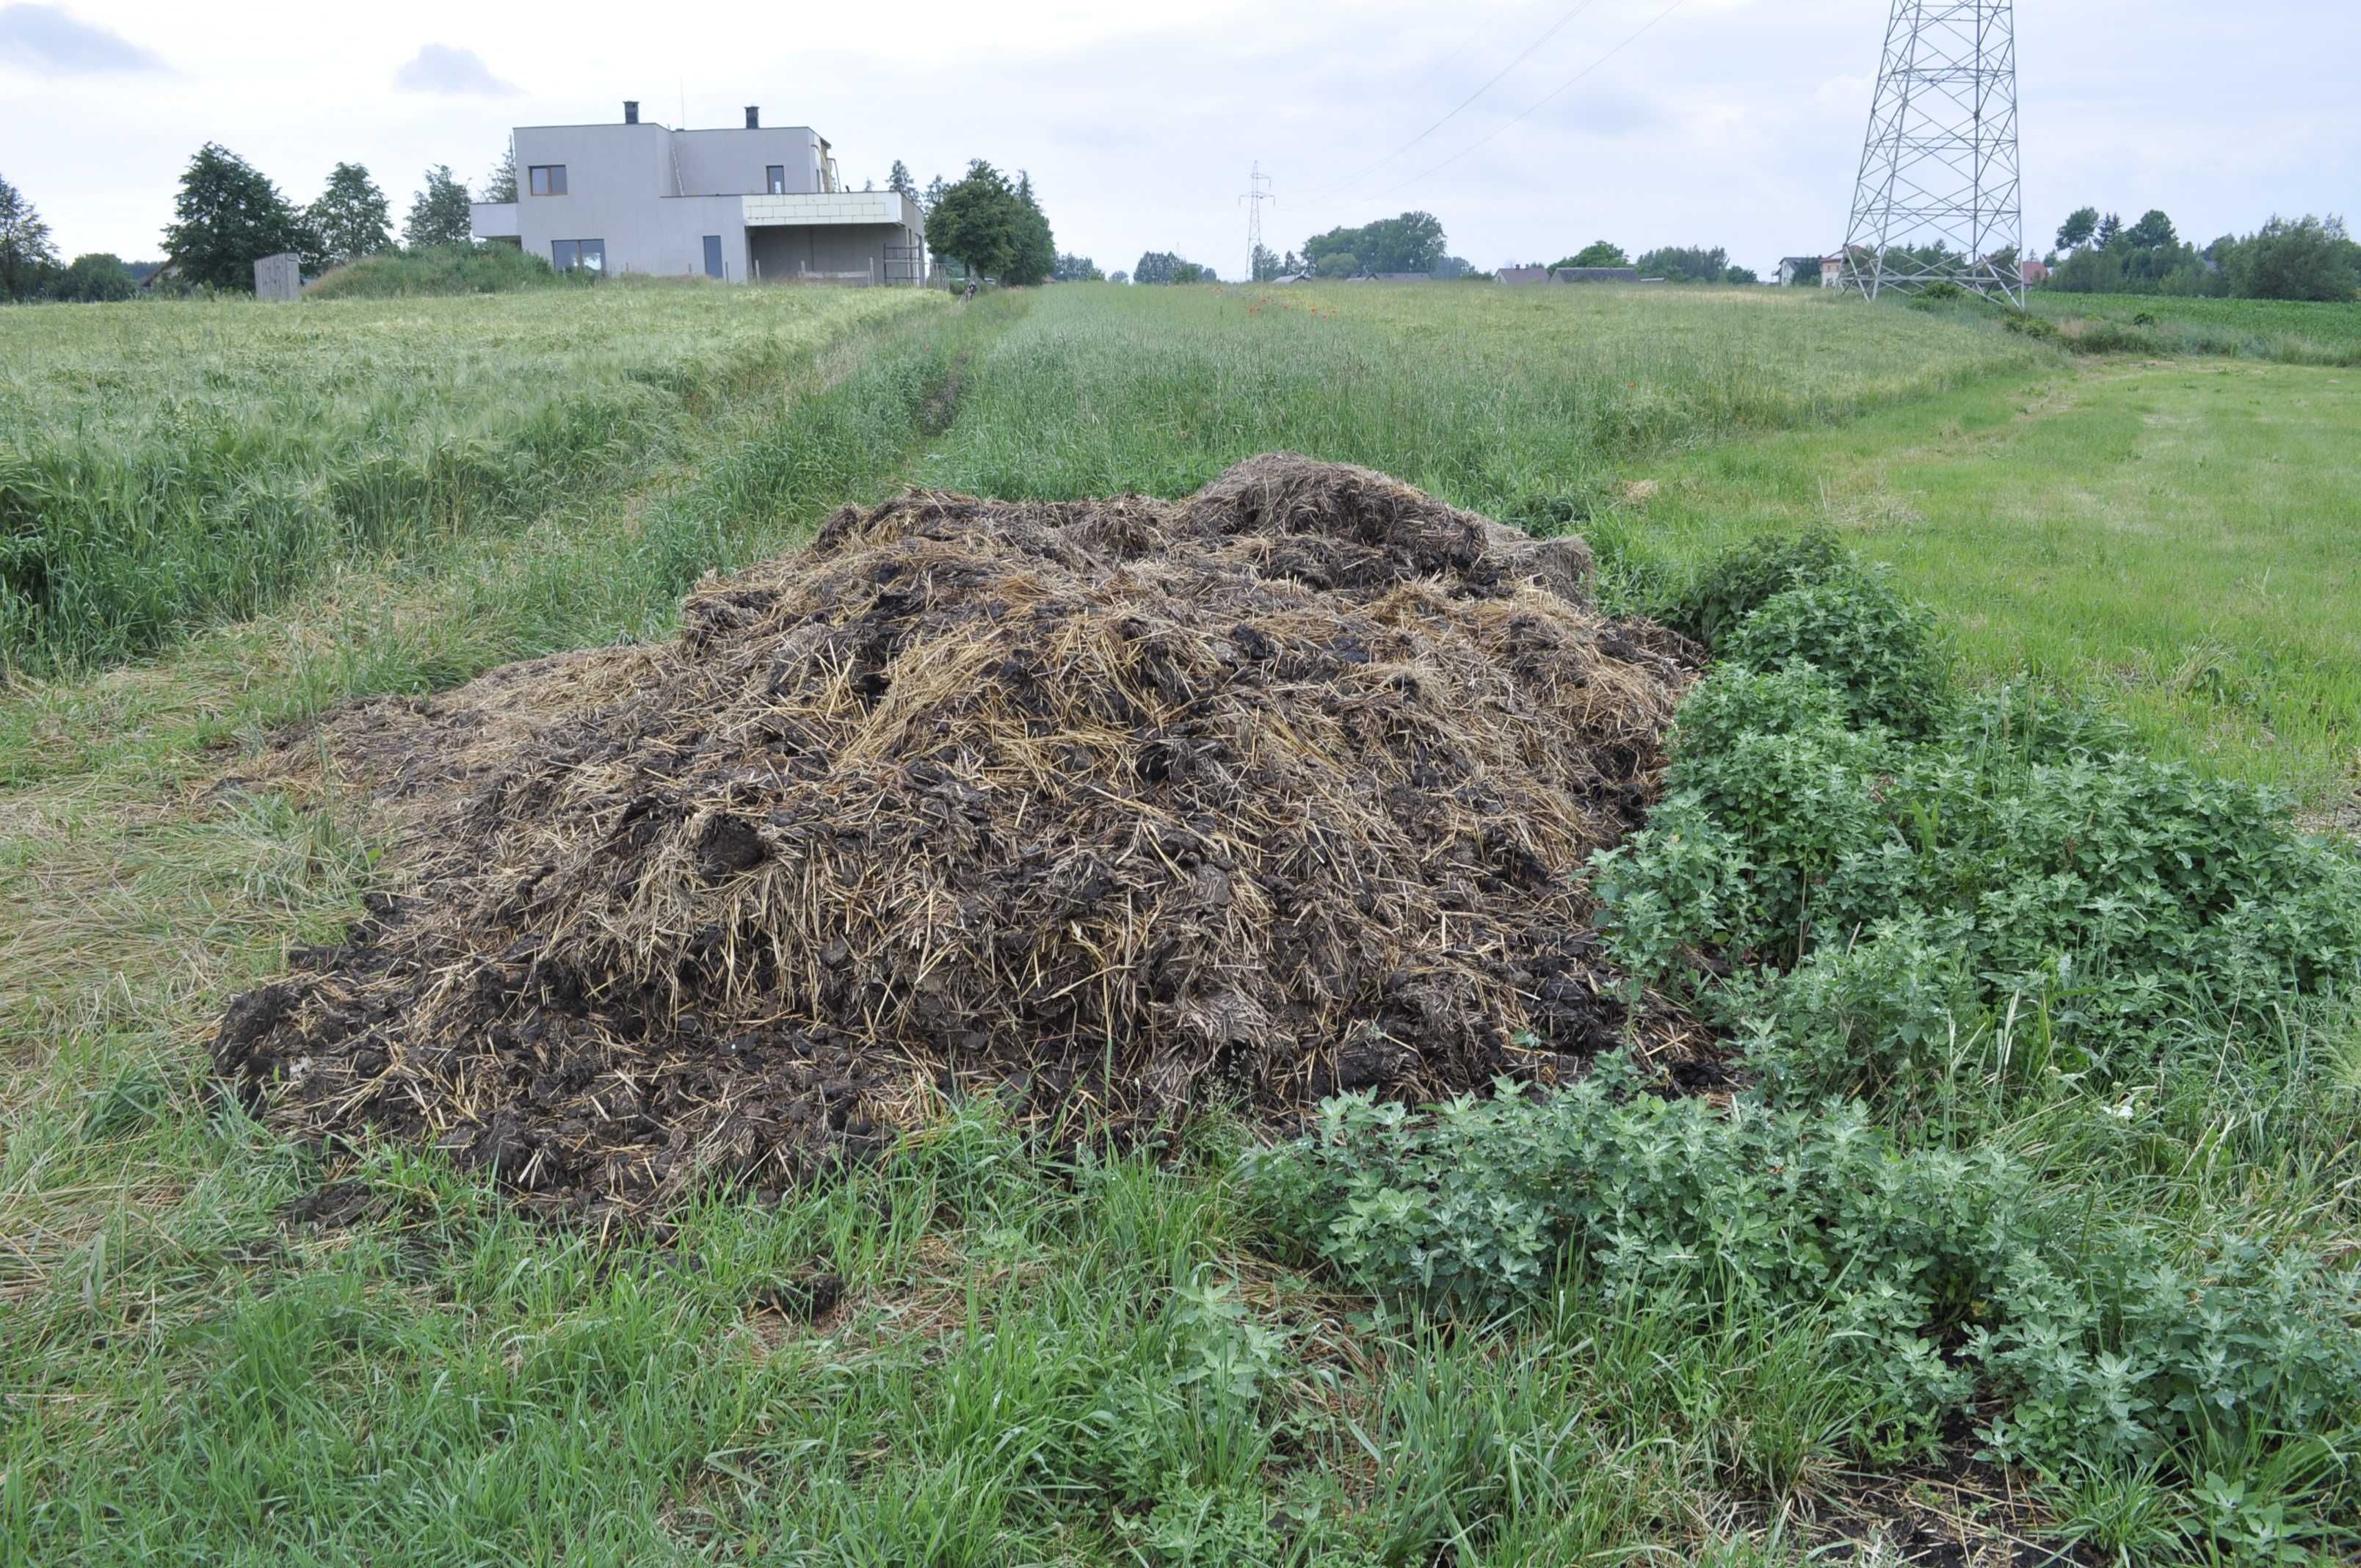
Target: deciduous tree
{"type": "Point", "coordinates": [351, 217]}
{"type": "Point", "coordinates": [1684, 264]}
{"type": "Point", "coordinates": [1411, 243]}
{"type": "Point", "coordinates": [2078, 228]}
{"type": "Point", "coordinates": [2306, 258]}
{"type": "Point", "coordinates": [439, 214]}
{"type": "Point", "coordinates": [27, 257]}
{"type": "Point", "coordinates": [228, 215]}
{"type": "Point", "coordinates": [992, 229]}
{"type": "Point", "coordinates": [2153, 232]}
{"type": "Point", "coordinates": [1597, 253]}
{"type": "Point", "coordinates": [94, 277]}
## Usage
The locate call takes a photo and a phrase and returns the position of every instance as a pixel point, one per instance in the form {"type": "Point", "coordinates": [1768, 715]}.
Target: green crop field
{"type": "Point", "coordinates": [171, 469]}
{"type": "Point", "coordinates": [2031, 1214]}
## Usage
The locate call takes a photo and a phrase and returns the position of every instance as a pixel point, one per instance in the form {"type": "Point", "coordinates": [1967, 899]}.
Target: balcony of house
{"type": "Point", "coordinates": [493, 220]}
{"type": "Point", "coordinates": [835, 236]}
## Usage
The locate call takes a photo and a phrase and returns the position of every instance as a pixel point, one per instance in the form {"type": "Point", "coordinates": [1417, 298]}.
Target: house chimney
{"type": "Point", "coordinates": [631, 111]}
{"type": "Point", "coordinates": [754, 116]}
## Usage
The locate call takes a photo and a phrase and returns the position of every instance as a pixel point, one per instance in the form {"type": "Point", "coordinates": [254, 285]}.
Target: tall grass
{"type": "Point", "coordinates": [169, 468]}
{"type": "Point", "coordinates": [1503, 399]}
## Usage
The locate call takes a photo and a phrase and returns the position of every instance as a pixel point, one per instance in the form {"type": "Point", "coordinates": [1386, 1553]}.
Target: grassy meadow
{"type": "Point", "coordinates": [162, 470]}
{"type": "Point", "coordinates": [1503, 399]}
{"type": "Point", "coordinates": [2171, 538]}
{"type": "Point", "coordinates": [220, 1350]}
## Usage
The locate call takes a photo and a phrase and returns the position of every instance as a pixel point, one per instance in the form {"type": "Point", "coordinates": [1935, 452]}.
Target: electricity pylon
{"type": "Point", "coordinates": [1938, 198]}
{"type": "Point", "coordinates": [1254, 198]}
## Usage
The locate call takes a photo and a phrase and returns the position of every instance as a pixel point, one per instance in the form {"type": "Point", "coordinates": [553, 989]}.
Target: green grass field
{"type": "Point", "coordinates": [174, 469]}
{"type": "Point", "coordinates": [1116, 1359]}
{"type": "Point", "coordinates": [2291, 332]}
{"type": "Point", "coordinates": [2169, 537]}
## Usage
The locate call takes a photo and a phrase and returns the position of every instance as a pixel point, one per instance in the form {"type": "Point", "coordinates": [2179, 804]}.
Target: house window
{"type": "Point", "coordinates": [546, 179]}
{"type": "Point", "coordinates": [713, 256]}
{"type": "Point", "coordinates": [775, 178]}
{"type": "Point", "coordinates": [566, 255]}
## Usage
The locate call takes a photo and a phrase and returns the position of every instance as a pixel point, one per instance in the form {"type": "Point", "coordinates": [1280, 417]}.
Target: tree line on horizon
{"type": "Point", "coordinates": [2309, 257]}
{"type": "Point", "coordinates": [226, 214]}
{"type": "Point", "coordinates": [1672, 263]}
{"type": "Point", "coordinates": [229, 213]}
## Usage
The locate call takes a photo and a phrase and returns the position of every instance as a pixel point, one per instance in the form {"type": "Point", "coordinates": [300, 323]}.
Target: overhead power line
{"type": "Point", "coordinates": [1555, 94]}
{"type": "Point", "coordinates": [1554, 28]}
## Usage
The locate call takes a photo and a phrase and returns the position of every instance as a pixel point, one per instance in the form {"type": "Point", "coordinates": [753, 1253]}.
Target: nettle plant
{"type": "Point", "coordinates": [1950, 1284]}
{"type": "Point", "coordinates": [1876, 880]}
{"type": "Point", "coordinates": [1883, 887]}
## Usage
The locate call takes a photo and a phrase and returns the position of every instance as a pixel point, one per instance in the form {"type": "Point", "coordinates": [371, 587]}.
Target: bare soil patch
{"type": "Point", "coordinates": [1281, 789]}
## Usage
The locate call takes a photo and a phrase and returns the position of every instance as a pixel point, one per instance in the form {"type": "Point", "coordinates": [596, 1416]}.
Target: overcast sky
{"type": "Point", "coordinates": [1724, 122]}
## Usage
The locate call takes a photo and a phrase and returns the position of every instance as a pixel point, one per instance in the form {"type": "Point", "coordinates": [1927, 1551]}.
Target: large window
{"type": "Point", "coordinates": [775, 178]}
{"type": "Point", "coordinates": [566, 255]}
{"type": "Point", "coordinates": [713, 256]}
{"type": "Point", "coordinates": [546, 179]}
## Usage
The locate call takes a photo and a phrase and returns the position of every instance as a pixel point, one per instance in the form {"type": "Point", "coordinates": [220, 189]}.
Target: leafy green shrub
{"type": "Point", "coordinates": [1894, 881]}
{"type": "Point", "coordinates": [1948, 1274]}
{"type": "Point", "coordinates": [1772, 789]}
{"type": "Point", "coordinates": [2041, 329]}
{"type": "Point", "coordinates": [1736, 582]}
{"type": "Point", "coordinates": [1878, 649]}
{"type": "Point", "coordinates": [2104, 336]}
{"type": "Point", "coordinates": [488, 266]}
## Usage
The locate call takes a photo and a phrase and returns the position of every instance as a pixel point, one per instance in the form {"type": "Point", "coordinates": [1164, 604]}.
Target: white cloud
{"type": "Point", "coordinates": [455, 73]}
{"type": "Point", "coordinates": [45, 38]}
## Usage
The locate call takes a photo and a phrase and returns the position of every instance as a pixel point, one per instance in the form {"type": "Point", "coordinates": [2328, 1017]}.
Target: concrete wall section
{"type": "Point", "coordinates": [618, 190]}
{"type": "Point", "coordinates": [717, 163]}
{"type": "Point", "coordinates": [613, 174]}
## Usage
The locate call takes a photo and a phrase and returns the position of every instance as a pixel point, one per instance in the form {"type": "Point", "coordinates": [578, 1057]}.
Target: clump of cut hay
{"type": "Point", "coordinates": [1280, 789]}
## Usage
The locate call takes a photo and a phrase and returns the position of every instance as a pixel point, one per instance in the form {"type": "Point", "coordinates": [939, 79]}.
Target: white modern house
{"type": "Point", "coordinates": [749, 205]}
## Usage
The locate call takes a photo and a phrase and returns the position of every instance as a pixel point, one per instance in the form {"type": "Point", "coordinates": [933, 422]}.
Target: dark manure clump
{"type": "Point", "coordinates": [1113, 807]}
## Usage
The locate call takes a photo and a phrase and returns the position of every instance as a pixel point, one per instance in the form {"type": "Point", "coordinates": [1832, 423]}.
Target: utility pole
{"type": "Point", "coordinates": [1938, 168]}
{"type": "Point", "coordinates": [1254, 198]}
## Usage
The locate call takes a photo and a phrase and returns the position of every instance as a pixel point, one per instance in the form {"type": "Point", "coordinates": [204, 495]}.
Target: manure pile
{"type": "Point", "coordinates": [1117, 806]}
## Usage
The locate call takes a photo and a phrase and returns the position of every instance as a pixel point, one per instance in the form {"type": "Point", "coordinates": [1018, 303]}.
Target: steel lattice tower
{"type": "Point", "coordinates": [1254, 198]}
{"type": "Point", "coordinates": [1937, 197]}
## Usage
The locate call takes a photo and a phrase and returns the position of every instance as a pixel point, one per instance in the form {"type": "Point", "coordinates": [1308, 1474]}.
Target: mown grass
{"type": "Point", "coordinates": [166, 470]}
{"type": "Point", "coordinates": [1038, 1357]}
{"type": "Point", "coordinates": [2172, 539]}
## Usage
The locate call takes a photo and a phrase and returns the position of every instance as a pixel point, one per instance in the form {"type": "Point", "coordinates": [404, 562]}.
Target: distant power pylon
{"type": "Point", "coordinates": [1254, 198]}
{"type": "Point", "coordinates": [1938, 199]}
